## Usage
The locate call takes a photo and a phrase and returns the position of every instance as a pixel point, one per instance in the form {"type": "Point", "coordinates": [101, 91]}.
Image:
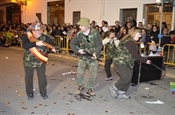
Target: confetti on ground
{"type": "Point", "coordinates": [172, 87]}
{"type": "Point", "coordinates": [23, 108]}
{"type": "Point", "coordinates": [154, 102]}
{"type": "Point", "coordinates": [73, 78]}
{"type": "Point", "coordinates": [146, 88]}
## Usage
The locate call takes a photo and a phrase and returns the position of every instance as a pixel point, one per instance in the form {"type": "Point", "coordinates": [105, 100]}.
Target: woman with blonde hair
{"type": "Point", "coordinates": [123, 61]}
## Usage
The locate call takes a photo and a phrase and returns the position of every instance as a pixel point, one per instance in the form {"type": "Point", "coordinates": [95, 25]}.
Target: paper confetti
{"type": "Point", "coordinates": [172, 87]}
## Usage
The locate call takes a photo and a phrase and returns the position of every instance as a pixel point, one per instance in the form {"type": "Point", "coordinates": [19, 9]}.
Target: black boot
{"type": "Point", "coordinates": [44, 96]}
{"type": "Point", "coordinates": [30, 96]}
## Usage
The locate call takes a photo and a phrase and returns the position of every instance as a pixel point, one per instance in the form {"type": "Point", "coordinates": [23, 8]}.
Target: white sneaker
{"type": "Point", "coordinates": [107, 79]}
{"type": "Point", "coordinates": [123, 96]}
{"type": "Point", "coordinates": [113, 92]}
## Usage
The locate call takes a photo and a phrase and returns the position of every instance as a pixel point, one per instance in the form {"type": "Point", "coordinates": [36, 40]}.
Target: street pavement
{"type": "Point", "coordinates": [147, 98]}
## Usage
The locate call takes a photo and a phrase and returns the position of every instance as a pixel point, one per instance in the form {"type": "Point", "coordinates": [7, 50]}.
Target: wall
{"type": "Point", "coordinates": [103, 9]}
{"type": "Point", "coordinates": [4, 10]}
{"type": "Point", "coordinates": [92, 9]}
{"type": "Point", "coordinates": [97, 10]}
{"type": "Point", "coordinates": [33, 7]}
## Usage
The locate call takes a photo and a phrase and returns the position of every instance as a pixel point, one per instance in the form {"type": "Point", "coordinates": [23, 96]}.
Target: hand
{"type": "Point", "coordinates": [115, 38]}
{"type": "Point", "coordinates": [40, 43]}
{"type": "Point", "coordinates": [81, 51]}
{"type": "Point", "coordinates": [61, 38]}
{"type": "Point", "coordinates": [148, 62]}
{"type": "Point", "coordinates": [94, 56]}
{"type": "Point", "coordinates": [54, 50]}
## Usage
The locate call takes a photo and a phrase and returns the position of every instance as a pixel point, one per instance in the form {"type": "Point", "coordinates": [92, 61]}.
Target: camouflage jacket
{"type": "Point", "coordinates": [110, 48]}
{"type": "Point", "coordinates": [91, 44]}
{"type": "Point", "coordinates": [122, 55]}
{"type": "Point", "coordinates": [29, 60]}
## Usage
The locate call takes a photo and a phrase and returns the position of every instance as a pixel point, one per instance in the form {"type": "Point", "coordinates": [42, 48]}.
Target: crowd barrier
{"type": "Point", "coordinates": [168, 50]}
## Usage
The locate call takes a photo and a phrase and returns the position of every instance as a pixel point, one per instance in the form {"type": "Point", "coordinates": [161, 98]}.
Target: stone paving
{"type": "Point", "coordinates": [148, 98]}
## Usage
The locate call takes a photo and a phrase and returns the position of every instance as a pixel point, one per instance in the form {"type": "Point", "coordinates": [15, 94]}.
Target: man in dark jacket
{"type": "Point", "coordinates": [35, 57]}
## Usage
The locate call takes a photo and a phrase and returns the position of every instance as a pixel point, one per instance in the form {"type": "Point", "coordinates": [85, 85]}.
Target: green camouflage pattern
{"type": "Point", "coordinates": [93, 68]}
{"type": "Point", "coordinates": [29, 60]}
{"type": "Point", "coordinates": [88, 44]}
{"type": "Point", "coordinates": [122, 55]}
{"type": "Point", "coordinates": [110, 48]}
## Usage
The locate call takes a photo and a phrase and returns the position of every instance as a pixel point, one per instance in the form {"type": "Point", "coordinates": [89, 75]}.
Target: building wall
{"type": "Point", "coordinates": [33, 7]}
{"type": "Point", "coordinates": [99, 10]}
{"type": "Point", "coordinates": [3, 8]}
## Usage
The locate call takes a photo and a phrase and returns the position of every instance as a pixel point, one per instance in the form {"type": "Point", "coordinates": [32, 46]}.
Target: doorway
{"type": "Point", "coordinates": [154, 14]}
{"type": "Point", "coordinates": [1, 15]}
{"type": "Point", "coordinates": [13, 14]}
{"type": "Point", "coordinates": [55, 13]}
{"type": "Point", "coordinates": [125, 13]}
{"type": "Point", "coordinates": [76, 17]}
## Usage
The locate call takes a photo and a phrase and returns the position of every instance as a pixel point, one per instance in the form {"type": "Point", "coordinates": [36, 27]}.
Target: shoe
{"type": "Point", "coordinates": [122, 95]}
{"type": "Point", "coordinates": [30, 96]}
{"type": "Point", "coordinates": [113, 92]}
{"type": "Point", "coordinates": [107, 79]}
{"type": "Point", "coordinates": [132, 84]}
{"type": "Point", "coordinates": [80, 89]}
{"type": "Point", "coordinates": [44, 96]}
{"type": "Point", "coordinates": [90, 92]}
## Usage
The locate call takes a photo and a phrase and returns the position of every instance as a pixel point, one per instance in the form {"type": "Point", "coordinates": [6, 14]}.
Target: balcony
{"type": "Point", "coordinates": [7, 2]}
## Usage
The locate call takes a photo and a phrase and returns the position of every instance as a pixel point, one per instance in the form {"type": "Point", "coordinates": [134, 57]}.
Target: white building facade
{"type": "Point", "coordinates": [98, 10]}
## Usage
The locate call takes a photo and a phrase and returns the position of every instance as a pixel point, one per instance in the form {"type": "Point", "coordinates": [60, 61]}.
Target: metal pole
{"type": "Point", "coordinates": [161, 13]}
{"type": "Point", "coordinates": [160, 31]}
{"type": "Point", "coordinates": [173, 18]}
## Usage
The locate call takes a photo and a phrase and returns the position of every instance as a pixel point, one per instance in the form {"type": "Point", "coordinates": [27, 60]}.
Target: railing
{"type": "Point", "coordinates": [168, 50]}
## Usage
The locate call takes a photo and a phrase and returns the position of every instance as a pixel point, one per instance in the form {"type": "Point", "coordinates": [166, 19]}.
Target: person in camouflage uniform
{"type": "Point", "coordinates": [88, 44]}
{"type": "Point", "coordinates": [31, 62]}
{"type": "Point", "coordinates": [123, 61]}
{"type": "Point", "coordinates": [110, 43]}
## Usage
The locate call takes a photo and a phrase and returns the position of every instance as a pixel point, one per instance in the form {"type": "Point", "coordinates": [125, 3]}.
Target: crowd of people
{"type": "Point", "coordinates": [11, 33]}
{"type": "Point", "coordinates": [86, 40]}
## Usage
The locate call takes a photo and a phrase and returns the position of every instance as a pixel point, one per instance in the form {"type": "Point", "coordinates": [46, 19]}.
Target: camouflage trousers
{"type": "Point", "coordinates": [93, 69]}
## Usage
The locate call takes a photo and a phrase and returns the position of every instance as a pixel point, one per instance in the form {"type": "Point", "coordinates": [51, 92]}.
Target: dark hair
{"type": "Point", "coordinates": [164, 23]}
{"type": "Point", "coordinates": [105, 22]}
{"type": "Point", "coordinates": [112, 31]}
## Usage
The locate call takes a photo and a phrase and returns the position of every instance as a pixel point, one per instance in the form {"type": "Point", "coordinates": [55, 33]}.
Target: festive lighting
{"type": "Point", "coordinates": [22, 2]}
